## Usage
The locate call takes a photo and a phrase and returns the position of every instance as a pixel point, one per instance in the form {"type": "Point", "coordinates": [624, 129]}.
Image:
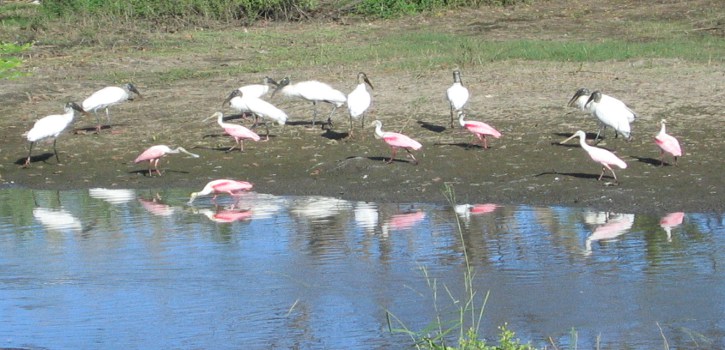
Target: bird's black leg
{"type": "Point", "coordinates": [27, 160]}
{"type": "Point", "coordinates": [55, 151]}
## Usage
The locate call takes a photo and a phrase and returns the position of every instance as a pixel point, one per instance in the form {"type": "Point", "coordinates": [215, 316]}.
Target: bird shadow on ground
{"type": "Point", "coordinates": [431, 127]}
{"type": "Point", "coordinates": [300, 122]}
{"type": "Point", "coordinates": [463, 145]}
{"type": "Point", "coordinates": [90, 129]}
{"type": "Point", "coordinates": [145, 172]}
{"type": "Point", "coordinates": [385, 159]}
{"type": "Point", "coordinates": [650, 161]}
{"type": "Point", "coordinates": [577, 175]}
{"type": "Point", "coordinates": [36, 158]}
{"type": "Point", "coordinates": [590, 135]}
{"type": "Point", "coordinates": [334, 135]}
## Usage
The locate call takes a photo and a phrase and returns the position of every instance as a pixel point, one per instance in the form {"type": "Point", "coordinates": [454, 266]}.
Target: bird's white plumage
{"type": "Point", "coordinates": [457, 95]}
{"type": "Point", "coordinates": [316, 91]}
{"type": "Point", "coordinates": [258, 107]}
{"type": "Point", "coordinates": [51, 126]}
{"type": "Point", "coordinates": [610, 113]}
{"type": "Point", "coordinates": [257, 90]}
{"type": "Point", "coordinates": [358, 101]}
{"type": "Point", "coordinates": [104, 98]}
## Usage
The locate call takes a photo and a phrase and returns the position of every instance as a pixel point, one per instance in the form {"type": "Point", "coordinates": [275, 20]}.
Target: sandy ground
{"type": "Point", "coordinates": [524, 100]}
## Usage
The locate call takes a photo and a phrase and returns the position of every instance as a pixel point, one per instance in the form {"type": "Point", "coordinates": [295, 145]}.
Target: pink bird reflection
{"type": "Point", "coordinates": [404, 221]}
{"type": "Point", "coordinates": [670, 221]}
{"type": "Point", "coordinates": [156, 207]}
{"type": "Point", "coordinates": [227, 215]}
{"type": "Point", "coordinates": [616, 225]}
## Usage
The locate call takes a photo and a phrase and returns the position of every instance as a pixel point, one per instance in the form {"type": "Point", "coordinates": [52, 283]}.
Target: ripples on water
{"type": "Point", "coordinates": [140, 269]}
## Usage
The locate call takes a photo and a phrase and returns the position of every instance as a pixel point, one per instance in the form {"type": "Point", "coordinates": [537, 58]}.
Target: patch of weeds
{"type": "Point", "coordinates": [9, 60]}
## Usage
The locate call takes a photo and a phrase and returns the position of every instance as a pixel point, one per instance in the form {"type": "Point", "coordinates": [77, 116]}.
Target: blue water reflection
{"type": "Point", "coordinates": [141, 269]}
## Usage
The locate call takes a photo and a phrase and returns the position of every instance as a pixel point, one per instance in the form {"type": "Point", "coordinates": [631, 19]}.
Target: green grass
{"type": "Point", "coordinates": [10, 60]}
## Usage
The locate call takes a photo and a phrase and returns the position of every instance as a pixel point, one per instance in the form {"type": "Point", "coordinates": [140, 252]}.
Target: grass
{"type": "Point", "coordinates": [10, 60]}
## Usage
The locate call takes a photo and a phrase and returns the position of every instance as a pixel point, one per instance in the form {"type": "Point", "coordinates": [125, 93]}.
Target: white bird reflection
{"type": "Point", "coordinates": [57, 219]}
{"type": "Point", "coordinates": [615, 226]}
{"type": "Point", "coordinates": [670, 221]}
{"type": "Point", "coordinates": [366, 216]}
{"type": "Point", "coordinates": [465, 211]}
{"type": "Point", "coordinates": [318, 208]}
{"type": "Point", "coordinates": [113, 196]}
{"type": "Point", "coordinates": [265, 205]}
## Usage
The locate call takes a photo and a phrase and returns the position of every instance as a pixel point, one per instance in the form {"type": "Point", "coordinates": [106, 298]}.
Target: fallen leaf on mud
{"type": "Point", "coordinates": [316, 172]}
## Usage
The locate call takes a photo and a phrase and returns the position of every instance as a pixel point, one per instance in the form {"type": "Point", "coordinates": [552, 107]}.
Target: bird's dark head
{"type": "Point", "coordinates": [269, 81]}
{"type": "Point", "coordinates": [233, 94]}
{"type": "Point", "coordinates": [579, 93]}
{"type": "Point", "coordinates": [596, 96]}
{"type": "Point", "coordinates": [282, 83]}
{"type": "Point", "coordinates": [363, 78]}
{"type": "Point", "coordinates": [74, 106]}
{"type": "Point", "coordinates": [456, 76]}
{"type": "Point", "coordinates": [132, 88]}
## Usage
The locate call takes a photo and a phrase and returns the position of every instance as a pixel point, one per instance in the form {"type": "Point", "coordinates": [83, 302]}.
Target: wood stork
{"type": "Point", "coordinates": [232, 187]}
{"type": "Point", "coordinates": [107, 97]}
{"type": "Point", "coordinates": [610, 114]}
{"type": "Point", "coordinates": [581, 100]}
{"type": "Point", "coordinates": [258, 90]}
{"type": "Point", "coordinates": [599, 155]}
{"type": "Point", "coordinates": [479, 129]}
{"type": "Point", "coordinates": [258, 107]}
{"type": "Point", "coordinates": [358, 101]}
{"type": "Point", "coordinates": [154, 153]}
{"type": "Point", "coordinates": [313, 91]}
{"type": "Point", "coordinates": [50, 127]}
{"type": "Point", "coordinates": [395, 141]}
{"type": "Point", "coordinates": [457, 95]}
{"type": "Point", "coordinates": [667, 143]}
{"type": "Point", "coordinates": [238, 132]}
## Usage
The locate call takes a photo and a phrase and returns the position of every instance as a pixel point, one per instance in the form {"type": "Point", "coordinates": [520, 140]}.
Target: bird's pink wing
{"type": "Point", "coordinates": [603, 156]}
{"type": "Point", "coordinates": [149, 154]}
{"type": "Point", "coordinates": [241, 132]}
{"type": "Point", "coordinates": [399, 140]}
{"type": "Point", "coordinates": [230, 186]}
{"type": "Point", "coordinates": [482, 128]}
{"type": "Point", "coordinates": [669, 144]}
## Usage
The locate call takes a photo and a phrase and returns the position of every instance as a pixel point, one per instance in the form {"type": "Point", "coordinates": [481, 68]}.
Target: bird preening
{"type": "Point", "coordinates": [50, 127]}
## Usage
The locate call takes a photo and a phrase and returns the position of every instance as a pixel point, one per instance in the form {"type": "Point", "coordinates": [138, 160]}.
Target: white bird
{"type": "Point", "coordinates": [313, 91]}
{"type": "Point", "coordinates": [457, 95]}
{"type": "Point", "coordinates": [613, 111]}
{"type": "Point", "coordinates": [50, 127]}
{"type": "Point", "coordinates": [107, 97]}
{"type": "Point", "coordinates": [258, 90]}
{"type": "Point", "coordinates": [257, 106]}
{"type": "Point", "coordinates": [358, 101]}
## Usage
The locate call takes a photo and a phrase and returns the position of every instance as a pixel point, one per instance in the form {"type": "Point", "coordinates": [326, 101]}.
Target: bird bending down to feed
{"type": "Point", "coordinates": [258, 90]}
{"type": "Point", "coordinates": [50, 127]}
{"type": "Point", "coordinates": [599, 155]}
{"type": "Point", "coordinates": [154, 153]}
{"type": "Point", "coordinates": [313, 91]}
{"type": "Point", "coordinates": [457, 95]}
{"type": "Point", "coordinates": [480, 129]}
{"type": "Point", "coordinates": [581, 97]}
{"type": "Point", "coordinates": [238, 132]}
{"type": "Point", "coordinates": [216, 187]}
{"type": "Point", "coordinates": [610, 112]}
{"type": "Point", "coordinates": [107, 97]}
{"type": "Point", "coordinates": [395, 141]}
{"type": "Point", "coordinates": [358, 101]}
{"type": "Point", "coordinates": [258, 107]}
{"type": "Point", "coordinates": [668, 144]}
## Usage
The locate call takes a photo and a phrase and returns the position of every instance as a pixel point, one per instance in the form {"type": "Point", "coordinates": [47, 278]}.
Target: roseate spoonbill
{"type": "Point", "coordinates": [258, 90]}
{"type": "Point", "coordinates": [233, 187]}
{"type": "Point", "coordinates": [395, 141]}
{"type": "Point", "coordinates": [154, 153]}
{"type": "Point", "coordinates": [457, 95]}
{"type": "Point", "coordinates": [107, 97]}
{"type": "Point", "coordinates": [50, 127]}
{"type": "Point", "coordinates": [599, 155]}
{"type": "Point", "coordinates": [610, 112]}
{"type": "Point", "coordinates": [667, 144]}
{"type": "Point", "coordinates": [257, 106]}
{"type": "Point", "coordinates": [238, 132]}
{"type": "Point", "coordinates": [358, 101]}
{"type": "Point", "coordinates": [479, 129]}
{"type": "Point", "coordinates": [313, 91]}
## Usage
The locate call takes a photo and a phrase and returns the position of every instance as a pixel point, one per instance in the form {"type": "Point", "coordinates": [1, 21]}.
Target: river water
{"type": "Point", "coordinates": [137, 269]}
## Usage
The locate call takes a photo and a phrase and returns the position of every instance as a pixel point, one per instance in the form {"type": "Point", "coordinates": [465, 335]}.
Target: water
{"type": "Point", "coordinates": [140, 269]}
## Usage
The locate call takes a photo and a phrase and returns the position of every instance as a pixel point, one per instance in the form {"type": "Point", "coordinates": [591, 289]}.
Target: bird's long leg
{"type": "Point", "coordinates": [675, 160]}
{"type": "Point", "coordinates": [98, 121]}
{"type": "Point", "coordinates": [236, 142]}
{"type": "Point", "coordinates": [415, 161]}
{"type": "Point", "coordinates": [485, 142]}
{"type": "Point", "coordinates": [395, 150]}
{"type": "Point", "coordinates": [452, 125]}
{"type": "Point", "coordinates": [602, 174]}
{"type": "Point", "coordinates": [662, 158]}
{"type": "Point", "coordinates": [156, 166]}
{"type": "Point", "coordinates": [314, 112]}
{"type": "Point", "coordinates": [55, 151]}
{"type": "Point", "coordinates": [266, 127]}
{"type": "Point", "coordinates": [241, 143]}
{"type": "Point", "coordinates": [27, 161]}
{"type": "Point", "coordinates": [151, 164]}
{"type": "Point", "coordinates": [108, 117]}
{"type": "Point", "coordinates": [329, 118]}
{"type": "Point", "coordinates": [350, 133]}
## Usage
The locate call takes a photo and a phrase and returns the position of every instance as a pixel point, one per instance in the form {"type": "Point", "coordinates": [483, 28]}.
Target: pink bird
{"type": "Point", "coordinates": [232, 187]}
{"type": "Point", "coordinates": [238, 132]}
{"type": "Point", "coordinates": [667, 144]}
{"type": "Point", "coordinates": [480, 129]}
{"type": "Point", "coordinates": [154, 153]}
{"type": "Point", "coordinates": [395, 141]}
{"type": "Point", "coordinates": [599, 155]}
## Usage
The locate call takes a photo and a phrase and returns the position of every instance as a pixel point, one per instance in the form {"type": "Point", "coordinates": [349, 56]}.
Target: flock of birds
{"type": "Point", "coordinates": [248, 99]}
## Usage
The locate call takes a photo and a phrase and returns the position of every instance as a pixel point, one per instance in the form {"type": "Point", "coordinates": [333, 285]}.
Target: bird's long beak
{"type": "Point", "coordinates": [573, 99]}
{"type": "Point", "coordinates": [191, 199]}
{"type": "Point", "coordinates": [565, 141]}
{"type": "Point", "coordinates": [280, 85]}
{"type": "Point", "coordinates": [209, 117]}
{"type": "Point", "coordinates": [369, 83]}
{"type": "Point", "coordinates": [189, 153]}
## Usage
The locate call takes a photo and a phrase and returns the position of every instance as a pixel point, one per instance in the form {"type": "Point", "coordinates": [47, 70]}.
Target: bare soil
{"type": "Point", "coordinates": [524, 100]}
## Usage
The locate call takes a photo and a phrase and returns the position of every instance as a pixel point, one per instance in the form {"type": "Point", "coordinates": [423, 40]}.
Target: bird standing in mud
{"type": "Point", "coordinates": [238, 132]}
{"type": "Point", "coordinates": [395, 141]}
{"type": "Point", "coordinates": [608, 110]}
{"type": "Point", "coordinates": [107, 97]}
{"type": "Point", "coordinates": [313, 91]}
{"type": "Point", "coordinates": [358, 101]}
{"type": "Point", "coordinates": [258, 107]}
{"type": "Point", "coordinates": [232, 187]}
{"type": "Point", "coordinates": [667, 144]}
{"type": "Point", "coordinates": [457, 95]}
{"type": "Point", "coordinates": [154, 153]}
{"type": "Point", "coordinates": [600, 155]}
{"type": "Point", "coordinates": [479, 129]}
{"type": "Point", "coordinates": [50, 127]}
